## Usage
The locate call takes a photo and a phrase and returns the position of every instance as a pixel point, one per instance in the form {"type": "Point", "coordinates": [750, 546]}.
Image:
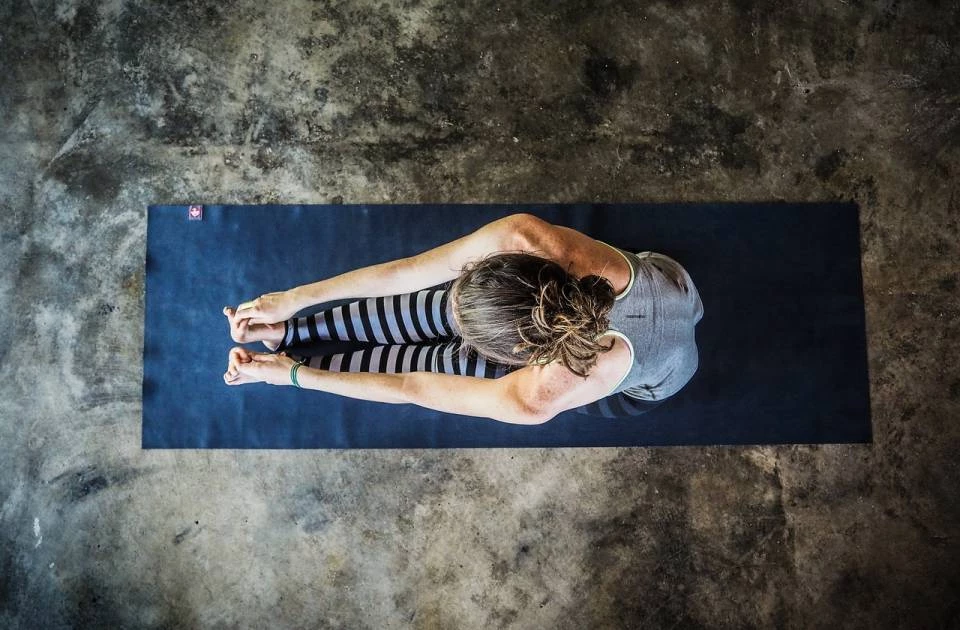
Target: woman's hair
{"type": "Point", "coordinates": [522, 309]}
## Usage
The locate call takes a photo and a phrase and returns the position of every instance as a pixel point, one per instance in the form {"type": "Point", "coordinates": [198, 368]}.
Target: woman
{"type": "Point", "coordinates": [531, 319]}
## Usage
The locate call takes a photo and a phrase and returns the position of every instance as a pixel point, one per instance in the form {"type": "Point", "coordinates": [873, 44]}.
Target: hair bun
{"type": "Point", "coordinates": [522, 309]}
{"type": "Point", "coordinates": [599, 289]}
{"type": "Point", "coordinates": [570, 314]}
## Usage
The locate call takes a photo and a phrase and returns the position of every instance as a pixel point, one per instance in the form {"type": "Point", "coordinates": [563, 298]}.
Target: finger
{"type": "Point", "coordinates": [257, 319]}
{"type": "Point", "coordinates": [263, 356]}
{"type": "Point", "coordinates": [240, 352]}
{"type": "Point", "coordinates": [233, 366]}
{"type": "Point", "coordinates": [249, 309]}
{"type": "Point", "coordinates": [237, 358]}
{"type": "Point", "coordinates": [247, 315]}
{"type": "Point", "coordinates": [238, 379]}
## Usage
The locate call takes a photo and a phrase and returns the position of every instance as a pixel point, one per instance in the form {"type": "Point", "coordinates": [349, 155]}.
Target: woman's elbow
{"type": "Point", "coordinates": [532, 414]}
{"type": "Point", "coordinates": [525, 230]}
{"type": "Point", "coordinates": [524, 406]}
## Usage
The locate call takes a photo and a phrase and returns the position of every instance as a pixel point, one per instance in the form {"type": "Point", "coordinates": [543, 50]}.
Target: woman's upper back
{"type": "Point", "coordinates": [656, 309]}
{"type": "Point", "coordinates": [656, 316]}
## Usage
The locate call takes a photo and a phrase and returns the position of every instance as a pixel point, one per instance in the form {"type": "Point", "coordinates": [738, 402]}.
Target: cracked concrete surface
{"type": "Point", "coordinates": [110, 106]}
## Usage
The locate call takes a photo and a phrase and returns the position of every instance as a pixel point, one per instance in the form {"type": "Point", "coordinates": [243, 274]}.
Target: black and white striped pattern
{"type": "Point", "coordinates": [415, 332]}
{"type": "Point", "coordinates": [447, 357]}
{"type": "Point", "coordinates": [394, 319]}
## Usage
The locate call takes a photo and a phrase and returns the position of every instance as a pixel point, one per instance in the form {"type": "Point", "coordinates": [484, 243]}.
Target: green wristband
{"type": "Point", "coordinates": [293, 371]}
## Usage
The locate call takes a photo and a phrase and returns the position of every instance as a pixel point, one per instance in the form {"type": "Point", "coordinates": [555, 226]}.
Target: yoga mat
{"type": "Point", "coordinates": [782, 341]}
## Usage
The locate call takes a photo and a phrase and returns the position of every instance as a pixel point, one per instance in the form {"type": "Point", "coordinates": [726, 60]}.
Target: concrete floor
{"type": "Point", "coordinates": [107, 107]}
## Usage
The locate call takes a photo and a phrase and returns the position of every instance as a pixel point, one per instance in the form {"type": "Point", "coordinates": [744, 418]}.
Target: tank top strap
{"type": "Point", "coordinates": [630, 264]}
{"type": "Point", "coordinates": [611, 331]}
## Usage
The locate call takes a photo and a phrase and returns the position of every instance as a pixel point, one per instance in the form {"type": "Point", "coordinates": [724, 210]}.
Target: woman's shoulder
{"type": "Point", "coordinates": [582, 255]}
{"type": "Point", "coordinates": [560, 389]}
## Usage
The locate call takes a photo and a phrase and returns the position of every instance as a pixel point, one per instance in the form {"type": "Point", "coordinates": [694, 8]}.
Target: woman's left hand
{"type": "Point", "coordinates": [244, 366]}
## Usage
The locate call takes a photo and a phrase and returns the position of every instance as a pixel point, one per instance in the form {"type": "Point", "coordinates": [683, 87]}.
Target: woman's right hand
{"type": "Point", "coordinates": [270, 308]}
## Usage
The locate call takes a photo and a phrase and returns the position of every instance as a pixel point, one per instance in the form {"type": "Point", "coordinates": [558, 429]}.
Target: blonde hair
{"type": "Point", "coordinates": [522, 309]}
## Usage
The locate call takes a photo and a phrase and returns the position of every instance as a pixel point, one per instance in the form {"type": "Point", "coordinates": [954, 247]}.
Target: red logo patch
{"type": "Point", "coordinates": [195, 213]}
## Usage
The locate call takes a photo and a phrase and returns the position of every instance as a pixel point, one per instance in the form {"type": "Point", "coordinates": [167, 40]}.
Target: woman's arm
{"type": "Point", "coordinates": [530, 395]}
{"type": "Point", "coordinates": [501, 399]}
{"type": "Point", "coordinates": [413, 273]}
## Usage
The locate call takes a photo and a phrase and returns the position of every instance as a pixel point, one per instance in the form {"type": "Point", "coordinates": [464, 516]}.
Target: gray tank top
{"type": "Point", "coordinates": [656, 315]}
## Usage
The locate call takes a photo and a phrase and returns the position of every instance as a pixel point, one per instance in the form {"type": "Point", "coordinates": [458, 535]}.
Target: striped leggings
{"type": "Point", "coordinates": [411, 332]}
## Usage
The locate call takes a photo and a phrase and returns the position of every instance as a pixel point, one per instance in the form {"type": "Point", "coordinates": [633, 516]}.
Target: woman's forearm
{"type": "Point", "coordinates": [497, 399]}
{"type": "Point", "coordinates": [426, 269]}
{"type": "Point", "coordinates": [373, 281]}
{"type": "Point", "coordinates": [376, 386]}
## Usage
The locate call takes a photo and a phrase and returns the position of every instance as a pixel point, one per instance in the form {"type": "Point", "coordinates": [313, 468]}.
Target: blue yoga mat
{"type": "Point", "coordinates": [782, 342]}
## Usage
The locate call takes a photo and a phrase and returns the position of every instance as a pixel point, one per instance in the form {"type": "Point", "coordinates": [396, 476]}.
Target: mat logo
{"type": "Point", "coordinates": [195, 213]}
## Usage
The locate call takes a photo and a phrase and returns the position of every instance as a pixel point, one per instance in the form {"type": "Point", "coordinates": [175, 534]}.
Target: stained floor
{"type": "Point", "coordinates": [110, 106]}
